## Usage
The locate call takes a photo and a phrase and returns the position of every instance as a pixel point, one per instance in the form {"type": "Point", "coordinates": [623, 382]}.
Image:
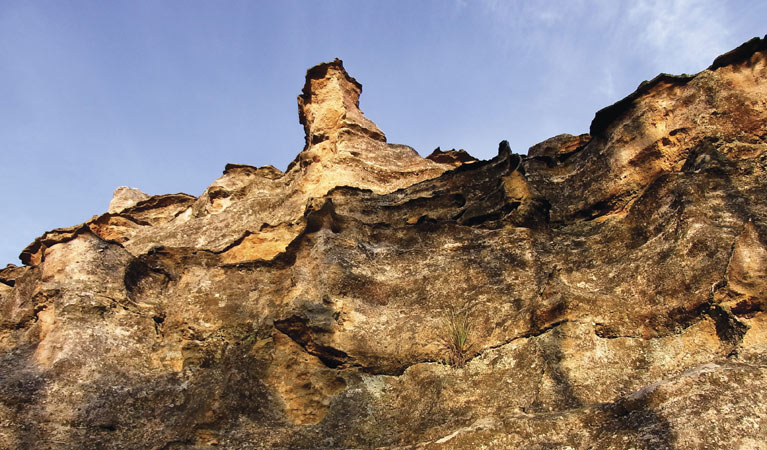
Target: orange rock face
{"type": "Point", "coordinates": [614, 287]}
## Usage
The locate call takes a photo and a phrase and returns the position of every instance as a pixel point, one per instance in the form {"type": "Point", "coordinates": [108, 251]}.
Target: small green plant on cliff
{"type": "Point", "coordinates": [456, 327]}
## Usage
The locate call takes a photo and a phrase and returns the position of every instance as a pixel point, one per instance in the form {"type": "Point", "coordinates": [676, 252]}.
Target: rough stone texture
{"type": "Point", "coordinates": [125, 197]}
{"type": "Point", "coordinates": [615, 283]}
{"type": "Point", "coordinates": [559, 147]}
{"type": "Point", "coordinates": [453, 157]}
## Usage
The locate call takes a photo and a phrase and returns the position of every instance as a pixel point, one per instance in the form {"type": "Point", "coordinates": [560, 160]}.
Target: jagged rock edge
{"type": "Point", "coordinates": [606, 116]}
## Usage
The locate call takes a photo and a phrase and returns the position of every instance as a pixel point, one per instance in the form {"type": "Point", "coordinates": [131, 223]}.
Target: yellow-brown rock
{"type": "Point", "coordinates": [614, 282]}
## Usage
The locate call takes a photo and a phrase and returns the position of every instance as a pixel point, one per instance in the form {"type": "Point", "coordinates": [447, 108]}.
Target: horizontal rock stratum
{"type": "Point", "coordinates": [614, 285]}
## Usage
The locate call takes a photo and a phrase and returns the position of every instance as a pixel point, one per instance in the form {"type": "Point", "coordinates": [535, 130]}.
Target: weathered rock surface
{"type": "Point", "coordinates": [124, 197]}
{"type": "Point", "coordinates": [615, 283]}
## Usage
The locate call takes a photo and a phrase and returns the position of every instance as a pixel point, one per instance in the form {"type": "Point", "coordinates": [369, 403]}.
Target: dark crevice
{"type": "Point", "coordinates": [104, 217]}
{"type": "Point", "coordinates": [316, 219]}
{"type": "Point", "coordinates": [138, 271]}
{"type": "Point", "coordinates": [459, 200]}
{"type": "Point", "coordinates": [605, 331]}
{"type": "Point", "coordinates": [318, 139]}
{"type": "Point", "coordinates": [218, 192]}
{"type": "Point", "coordinates": [458, 216]}
{"type": "Point", "coordinates": [728, 328]}
{"type": "Point", "coordinates": [299, 330]}
{"type": "Point", "coordinates": [427, 224]}
{"type": "Point", "coordinates": [531, 334]}
{"type": "Point", "coordinates": [159, 201]}
{"type": "Point", "coordinates": [491, 217]}
{"type": "Point", "coordinates": [159, 324]}
{"type": "Point", "coordinates": [282, 260]}
{"type": "Point", "coordinates": [548, 160]}
{"type": "Point", "coordinates": [747, 307]}
{"type": "Point", "coordinates": [331, 357]}
{"type": "Point", "coordinates": [234, 243]}
{"type": "Point", "coordinates": [562, 157]}
{"type": "Point", "coordinates": [594, 211]}
{"type": "Point", "coordinates": [324, 217]}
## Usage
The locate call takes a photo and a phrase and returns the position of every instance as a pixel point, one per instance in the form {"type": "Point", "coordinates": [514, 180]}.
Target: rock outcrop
{"type": "Point", "coordinates": [615, 286]}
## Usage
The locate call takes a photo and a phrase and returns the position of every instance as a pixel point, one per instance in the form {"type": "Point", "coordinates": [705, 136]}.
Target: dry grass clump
{"type": "Point", "coordinates": [455, 330]}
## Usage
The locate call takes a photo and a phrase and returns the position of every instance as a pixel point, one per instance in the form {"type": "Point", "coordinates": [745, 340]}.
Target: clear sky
{"type": "Point", "coordinates": [160, 95]}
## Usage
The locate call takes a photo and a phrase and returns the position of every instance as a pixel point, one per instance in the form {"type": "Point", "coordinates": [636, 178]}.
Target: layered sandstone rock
{"type": "Point", "coordinates": [614, 284]}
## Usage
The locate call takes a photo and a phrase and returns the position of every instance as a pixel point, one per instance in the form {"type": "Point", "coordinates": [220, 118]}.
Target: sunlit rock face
{"type": "Point", "coordinates": [615, 285]}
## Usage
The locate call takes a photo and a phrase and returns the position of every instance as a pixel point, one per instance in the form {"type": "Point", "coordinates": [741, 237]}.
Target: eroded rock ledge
{"type": "Point", "coordinates": [616, 284]}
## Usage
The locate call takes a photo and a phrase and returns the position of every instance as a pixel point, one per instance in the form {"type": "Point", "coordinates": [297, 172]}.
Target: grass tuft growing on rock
{"type": "Point", "coordinates": [455, 330]}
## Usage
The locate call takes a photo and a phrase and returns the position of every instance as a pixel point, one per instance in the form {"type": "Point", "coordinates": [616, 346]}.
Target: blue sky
{"type": "Point", "coordinates": [160, 95]}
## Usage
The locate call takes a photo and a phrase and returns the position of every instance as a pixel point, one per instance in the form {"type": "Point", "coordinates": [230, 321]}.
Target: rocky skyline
{"type": "Point", "coordinates": [161, 96]}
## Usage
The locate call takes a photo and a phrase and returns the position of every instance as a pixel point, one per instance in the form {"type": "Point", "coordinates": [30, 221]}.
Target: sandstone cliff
{"type": "Point", "coordinates": [615, 284]}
